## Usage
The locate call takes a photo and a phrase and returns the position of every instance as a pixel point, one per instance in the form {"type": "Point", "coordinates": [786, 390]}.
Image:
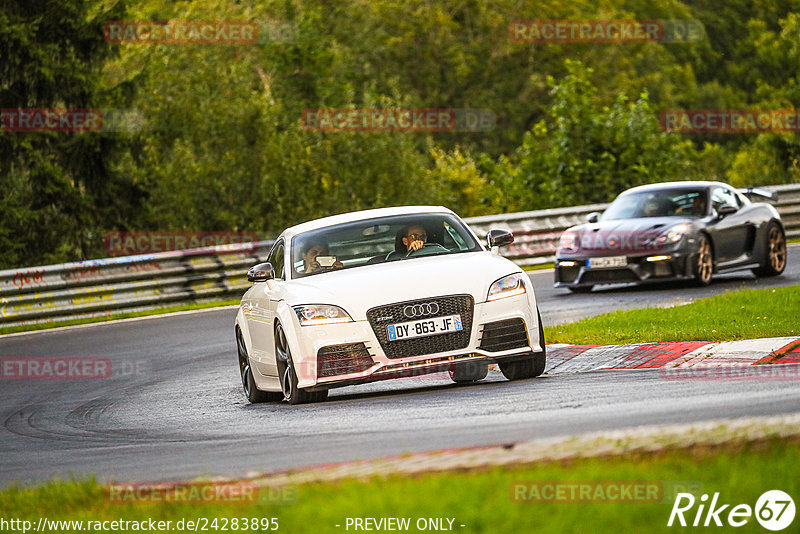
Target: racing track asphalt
{"type": "Point", "coordinates": [174, 409]}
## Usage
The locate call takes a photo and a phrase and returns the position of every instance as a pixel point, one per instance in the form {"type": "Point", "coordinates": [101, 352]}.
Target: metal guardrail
{"type": "Point", "coordinates": [129, 283]}
{"type": "Point", "coordinates": [132, 283]}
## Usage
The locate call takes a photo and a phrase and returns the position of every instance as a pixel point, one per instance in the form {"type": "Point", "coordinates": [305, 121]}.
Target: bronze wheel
{"type": "Point", "coordinates": [775, 254]}
{"type": "Point", "coordinates": [704, 262]}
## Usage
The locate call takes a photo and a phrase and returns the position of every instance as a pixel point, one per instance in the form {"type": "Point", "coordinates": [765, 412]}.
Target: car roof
{"type": "Point", "coordinates": [695, 184]}
{"type": "Point", "coordinates": [359, 216]}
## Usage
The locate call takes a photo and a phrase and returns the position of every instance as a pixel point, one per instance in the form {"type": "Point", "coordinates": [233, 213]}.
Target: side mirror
{"type": "Point", "coordinates": [261, 272]}
{"type": "Point", "coordinates": [593, 217]}
{"type": "Point", "coordinates": [499, 238]}
{"type": "Point", "coordinates": [727, 209]}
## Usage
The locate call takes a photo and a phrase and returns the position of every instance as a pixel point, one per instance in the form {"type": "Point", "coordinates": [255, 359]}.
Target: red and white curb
{"type": "Point", "coordinates": [685, 354]}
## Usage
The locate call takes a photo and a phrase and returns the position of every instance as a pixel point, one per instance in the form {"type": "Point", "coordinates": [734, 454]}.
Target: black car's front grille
{"type": "Point", "coordinates": [609, 275]}
{"type": "Point", "coordinates": [336, 360]}
{"type": "Point", "coordinates": [382, 316]}
{"type": "Point", "coordinates": [504, 335]}
{"type": "Point", "coordinates": [567, 274]}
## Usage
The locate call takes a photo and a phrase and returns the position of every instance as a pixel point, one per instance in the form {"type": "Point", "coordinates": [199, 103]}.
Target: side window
{"type": "Point", "coordinates": [276, 259]}
{"type": "Point", "coordinates": [722, 196]}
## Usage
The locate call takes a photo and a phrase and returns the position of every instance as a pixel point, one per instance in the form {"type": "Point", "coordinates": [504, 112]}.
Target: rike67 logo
{"type": "Point", "coordinates": [774, 510]}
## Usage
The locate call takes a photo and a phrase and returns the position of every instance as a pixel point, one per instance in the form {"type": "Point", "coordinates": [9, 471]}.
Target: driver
{"type": "Point", "coordinates": [313, 249]}
{"type": "Point", "coordinates": [414, 238]}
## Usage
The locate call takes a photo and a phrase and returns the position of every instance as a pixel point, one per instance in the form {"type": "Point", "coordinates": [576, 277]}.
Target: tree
{"type": "Point", "coordinates": [58, 189]}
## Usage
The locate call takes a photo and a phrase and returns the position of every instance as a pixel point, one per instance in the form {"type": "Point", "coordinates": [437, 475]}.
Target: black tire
{"type": "Point", "coordinates": [253, 394]}
{"type": "Point", "coordinates": [288, 377]}
{"type": "Point", "coordinates": [703, 263]}
{"type": "Point", "coordinates": [581, 289]}
{"type": "Point", "coordinates": [529, 367]}
{"type": "Point", "coordinates": [468, 372]}
{"type": "Point", "coordinates": [774, 260]}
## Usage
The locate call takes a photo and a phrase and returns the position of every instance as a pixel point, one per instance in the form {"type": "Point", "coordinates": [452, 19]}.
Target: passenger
{"type": "Point", "coordinates": [313, 249]}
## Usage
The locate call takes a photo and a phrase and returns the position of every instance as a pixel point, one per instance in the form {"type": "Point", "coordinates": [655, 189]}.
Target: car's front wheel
{"type": "Point", "coordinates": [581, 289]}
{"type": "Point", "coordinates": [467, 372]}
{"type": "Point", "coordinates": [774, 261]}
{"type": "Point", "coordinates": [288, 376]}
{"type": "Point", "coordinates": [252, 393]}
{"type": "Point", "coordinates": [528, 367]}
{"type": "Point", "coordinates": [703, 266]}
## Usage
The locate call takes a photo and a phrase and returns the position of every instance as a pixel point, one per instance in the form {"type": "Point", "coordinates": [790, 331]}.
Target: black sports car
{"type": "Point", "coordinates": [672, 231]}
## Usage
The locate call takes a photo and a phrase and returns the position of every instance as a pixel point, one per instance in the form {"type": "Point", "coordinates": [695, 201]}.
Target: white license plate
{"type": "Point", "coordinates": [425, 327]}
{"type": "Point", "coordinates": [610, 261]}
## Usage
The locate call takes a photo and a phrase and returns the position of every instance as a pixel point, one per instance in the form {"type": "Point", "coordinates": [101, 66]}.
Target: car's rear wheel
{"type": "Point", "coordinates": [466, 372]}
{"type": "Point", "coordinates": [774, 261]}
{"type": "Point", "coordinates": [252, 393]}
{"type": "Point", "coordinates": [703, 266]}
{"type": "Point", "coordinates": [528, 367]}
{"type": "Point", "coordinates": [288, 376]}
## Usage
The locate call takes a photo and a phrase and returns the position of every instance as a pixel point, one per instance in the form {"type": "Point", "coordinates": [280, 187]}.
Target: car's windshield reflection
{"type": "Point", "coordinates": [382, 240]}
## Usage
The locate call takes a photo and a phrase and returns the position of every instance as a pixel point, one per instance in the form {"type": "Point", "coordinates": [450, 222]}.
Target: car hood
{"type": "Point", "coordinates": [633, 235]}
{"type": "Point", "coordinates": [361, 288]}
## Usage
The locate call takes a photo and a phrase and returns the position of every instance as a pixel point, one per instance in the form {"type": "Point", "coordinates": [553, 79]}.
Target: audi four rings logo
{"type": "Point", "coordinates": [421, 310]}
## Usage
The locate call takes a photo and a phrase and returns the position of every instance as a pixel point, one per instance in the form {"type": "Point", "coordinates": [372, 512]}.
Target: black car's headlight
{"type": "Point", "coordinates": [508, 286]}
{"type": "Point", "coordinates": [674, 234]}
{"type": "Point", "coordinates": [316, 314]}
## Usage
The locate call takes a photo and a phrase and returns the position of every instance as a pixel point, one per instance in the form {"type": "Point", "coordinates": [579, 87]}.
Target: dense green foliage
{"type": "Point", "coordinates": [222, 146]}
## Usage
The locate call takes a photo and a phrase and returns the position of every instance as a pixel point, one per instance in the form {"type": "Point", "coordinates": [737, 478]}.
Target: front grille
{"type": "Point", "coordinates": [609, 275]}
{"type": "Point", "coordinates": [567, 274]}
{"type": "Point", "coordinates": [504, 335]}
{"type": "Point", "coordinates": [343, 359]}
{"type": "Point", "coordinates": [382, 316]}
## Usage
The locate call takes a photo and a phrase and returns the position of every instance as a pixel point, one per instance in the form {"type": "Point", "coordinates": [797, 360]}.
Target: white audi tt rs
{"type": "Point", "coordinates": [384, 293]}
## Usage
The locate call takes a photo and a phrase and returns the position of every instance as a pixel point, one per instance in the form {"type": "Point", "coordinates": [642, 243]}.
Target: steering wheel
{"type": "Point", "coordinates": [429, 246]}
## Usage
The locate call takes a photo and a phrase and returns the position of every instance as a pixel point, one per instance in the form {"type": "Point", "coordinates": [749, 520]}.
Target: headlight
{"type": "Point", "coordinates": [568, 242]}
{"type": "Point", "coordinates": [508, 286]}
{"type": "Point", "coordinates": [316, 314]}
{"type": "Point", "coordinates": [674, 234]}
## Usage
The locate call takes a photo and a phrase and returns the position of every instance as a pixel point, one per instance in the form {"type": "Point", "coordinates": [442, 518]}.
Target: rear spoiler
{"type": "Point", "coordinates": [749, 192]}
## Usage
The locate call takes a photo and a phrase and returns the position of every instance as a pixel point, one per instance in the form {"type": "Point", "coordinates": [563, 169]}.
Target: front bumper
{"type": "Point", "coordinates": [351, 353]}
{"type": "Point", "coordinates": [574, 271]}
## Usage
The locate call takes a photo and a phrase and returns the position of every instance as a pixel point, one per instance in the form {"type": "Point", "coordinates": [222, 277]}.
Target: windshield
{"type": "Point", "coordinates": [380, 240]}
{"type": "Point", "coordinates": [664, 203]}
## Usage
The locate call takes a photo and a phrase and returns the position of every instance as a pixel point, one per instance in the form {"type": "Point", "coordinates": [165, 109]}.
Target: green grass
{"type": "Point", "coordinates": [538, 267]}
{"type": "Point", "coordinates": [744, 314]}
{"type": "Point", "coordinates": [121, 315]}
{"type": "Point", "coordinates": [480, 500]}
